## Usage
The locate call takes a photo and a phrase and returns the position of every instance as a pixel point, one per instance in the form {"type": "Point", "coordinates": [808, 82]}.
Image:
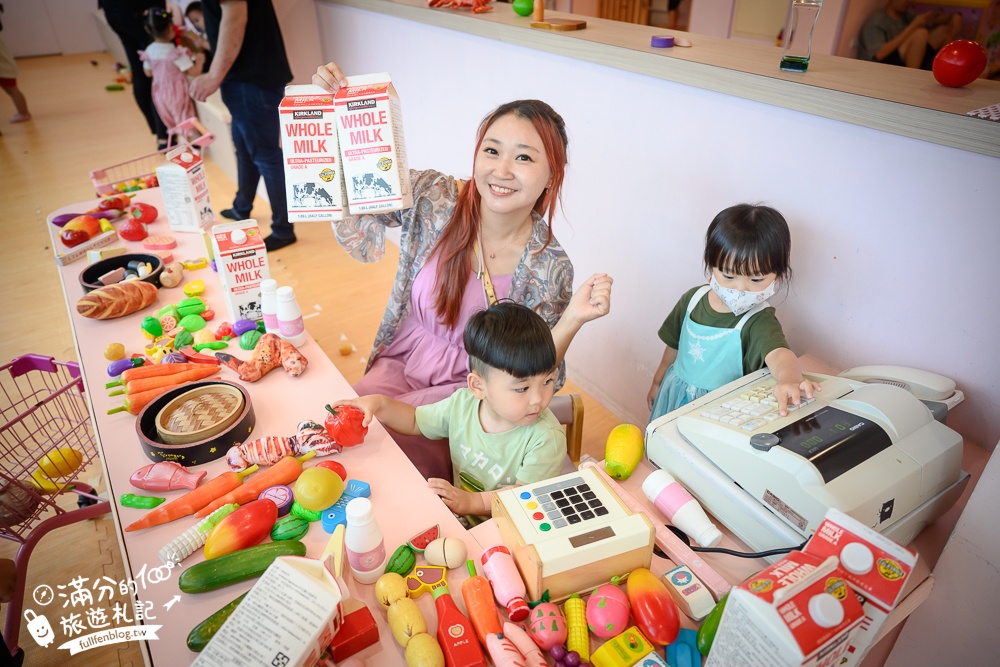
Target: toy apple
{"type": "Point", "coordinates": [144, 213]}
{"type": "Point", "coordinates": [90, 225]}
{"type": "Point", "coordinates": [959, 63]}
{"type": "Point", "coordinates": [132, 230]}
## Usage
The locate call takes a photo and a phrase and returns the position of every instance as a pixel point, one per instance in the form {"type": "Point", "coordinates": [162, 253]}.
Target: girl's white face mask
{"type": "Point", "coordinates": [739, 301]}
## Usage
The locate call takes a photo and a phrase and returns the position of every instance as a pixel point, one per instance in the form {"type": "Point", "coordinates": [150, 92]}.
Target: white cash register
{"type": "Point", "coordinates": [864, 444]}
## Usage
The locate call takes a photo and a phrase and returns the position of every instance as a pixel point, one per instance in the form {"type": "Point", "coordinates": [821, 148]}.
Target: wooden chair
{"type": "Point", "coordinates": [568, 409]}
{"type": "Point", "coordinates": [629, 11]}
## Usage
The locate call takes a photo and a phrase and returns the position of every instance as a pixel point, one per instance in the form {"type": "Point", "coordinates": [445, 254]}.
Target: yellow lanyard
{"type": "Point", "coordinates": [488, 291]}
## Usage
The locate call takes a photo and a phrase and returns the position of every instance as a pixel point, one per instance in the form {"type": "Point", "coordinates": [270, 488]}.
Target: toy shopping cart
{"type": "Point", "coordinates": [46, 441]}
{"type": "Point", "coordinates": [136, 173]}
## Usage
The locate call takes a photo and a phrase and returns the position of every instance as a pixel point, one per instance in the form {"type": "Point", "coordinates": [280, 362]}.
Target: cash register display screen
{"type": "Point", "coordinates": [833, 440]}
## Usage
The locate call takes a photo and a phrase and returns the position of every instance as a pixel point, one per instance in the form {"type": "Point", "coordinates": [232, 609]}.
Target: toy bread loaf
{"type": "Point", "coordinates": [110, 301]}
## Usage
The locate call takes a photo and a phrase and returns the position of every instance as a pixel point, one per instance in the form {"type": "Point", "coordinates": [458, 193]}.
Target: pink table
{"type": "Point", "coordinates": [403, 504]}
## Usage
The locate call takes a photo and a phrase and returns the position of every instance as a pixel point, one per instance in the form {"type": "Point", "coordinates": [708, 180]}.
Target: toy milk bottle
{"type": "Point", "coordinates": [680, 508]}
{"type": "Point", "coordinates": [508, 587]}
{"type": "Point", "coordinates": [269, 304]}
{"type": "Point", "coordinates": [290, 324]}
{"type": "Point", "coordinates": [798, 33]}
{"type": "Point", "coordinates": [363, 542]}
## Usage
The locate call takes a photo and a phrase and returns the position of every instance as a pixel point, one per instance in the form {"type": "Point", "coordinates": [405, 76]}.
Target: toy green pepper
{"type": "Point", "coordinates": [143, 502]}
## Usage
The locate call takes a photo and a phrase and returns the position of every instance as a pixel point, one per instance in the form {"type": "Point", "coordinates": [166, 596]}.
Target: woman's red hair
{"type": "Point", "coordinates": [454, 260]}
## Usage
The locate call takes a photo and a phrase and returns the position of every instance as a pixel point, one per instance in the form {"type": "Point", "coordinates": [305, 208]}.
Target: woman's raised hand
{"type": "Point", "coordinates": [330, 77]}
{"type": "Point", "coordinates": [593, 299]}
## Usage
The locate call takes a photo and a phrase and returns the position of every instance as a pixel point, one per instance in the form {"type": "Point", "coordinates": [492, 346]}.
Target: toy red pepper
{"type": "Point", "coordinates": [344, 425]}
{"type": "Point", "coordinates": [245, 527]}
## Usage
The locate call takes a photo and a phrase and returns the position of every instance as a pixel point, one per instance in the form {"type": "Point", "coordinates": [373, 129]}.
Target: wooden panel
{"type": "Point", "coordinates": [629, 11]}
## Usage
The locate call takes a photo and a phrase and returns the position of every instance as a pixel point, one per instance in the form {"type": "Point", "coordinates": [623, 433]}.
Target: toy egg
{"type": "Point", "coordinates": [547, 625]}
{"type": "Point", "coordinates": [607, 611]}
{"type": "Point", "coordinates": [450, 552]}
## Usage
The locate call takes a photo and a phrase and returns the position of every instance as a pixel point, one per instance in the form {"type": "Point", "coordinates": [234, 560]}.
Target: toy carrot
{"type": "Point", "coordinates": [134, 403]}
{"type": "Point", "coordinates": [479, 603]}
{"type": "Point", "coordinates": [143, 384]}
{"type": "Point", "coordinates": [285, 471]}
{"type": "Point", "coordinates": [151, 370]}
{"type": "Point", "coordinates": [192, 501]}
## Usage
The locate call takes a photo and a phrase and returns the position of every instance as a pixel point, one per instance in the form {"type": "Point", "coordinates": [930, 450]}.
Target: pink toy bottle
{"type": "Point", "coordinates": [680, 508]}
{"type": "Point", "coordinates": [508, 588]}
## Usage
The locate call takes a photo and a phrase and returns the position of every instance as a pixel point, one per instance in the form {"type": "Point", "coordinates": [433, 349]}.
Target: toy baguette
{"type": "Point", "coordinates": [116, 300]}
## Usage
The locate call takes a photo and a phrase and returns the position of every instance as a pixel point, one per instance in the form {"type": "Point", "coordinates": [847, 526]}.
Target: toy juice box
{"type": "Point", "coordinates": [184, 187]}
{"type": "Point", "coordinates": [288, 618]}
{"type": "Point", "coordinates": [314, 180]}
{"type": "Point", "coordinates": [798, 612]}
{"type": "Point", "coordinates": [370, 129]}
{"type": "Point", "coordinates": [875, 567]}
{"type": "Point", "coordinates": [241, 259]}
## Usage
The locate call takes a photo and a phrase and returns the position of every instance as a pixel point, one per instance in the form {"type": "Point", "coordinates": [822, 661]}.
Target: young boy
{"type": "Point", "coordinates": [500, 430]}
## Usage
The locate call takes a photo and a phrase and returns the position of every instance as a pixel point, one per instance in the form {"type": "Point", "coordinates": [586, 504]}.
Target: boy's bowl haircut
{"type": "Point", "coordinates": [510, 337]}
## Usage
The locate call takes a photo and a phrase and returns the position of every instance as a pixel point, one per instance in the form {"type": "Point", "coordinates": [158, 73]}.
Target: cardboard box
{"type": "Point", "coordinates": [875, 567]}
{"type": "Point", "coordinates": [288, 618]}
{"type": "Point", "coordinates": [314, 181]}
{"type": "Point", "coordinates": [797, 612]}
{"type": "Point", "coordinates": [370, 130]}
{"type": "Point", "coordinates": [184, 187]}
{"type": "Point", "coordinates": [241, 260]}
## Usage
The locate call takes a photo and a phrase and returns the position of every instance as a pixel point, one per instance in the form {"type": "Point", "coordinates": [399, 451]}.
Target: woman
{"type": "Point", "coordinates": [463, 246]}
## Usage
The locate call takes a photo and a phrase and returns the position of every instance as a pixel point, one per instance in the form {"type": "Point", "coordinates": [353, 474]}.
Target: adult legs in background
{"type": "Point", "coordinates": [130, 32]}
{"type": "Point", "coordinates": [257, 138]}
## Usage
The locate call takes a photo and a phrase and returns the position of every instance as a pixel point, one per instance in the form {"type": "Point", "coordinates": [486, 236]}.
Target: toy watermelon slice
{"type": "Point", "coordinates": [420, 541]}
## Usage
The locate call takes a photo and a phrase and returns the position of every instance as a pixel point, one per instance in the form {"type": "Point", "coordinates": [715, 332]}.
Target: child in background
{"type": "Point", "coordinates": [196, 39]}
{"type": "Point", "coordinates": [727, 329]}
{"type": "Point", "coordinates": [499, 428]}
{"type": "Point", "coordinates": [168, 65]}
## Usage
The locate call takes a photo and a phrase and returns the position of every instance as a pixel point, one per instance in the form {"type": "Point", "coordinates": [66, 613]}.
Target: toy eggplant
{"type": "Point", "coordinates": [165, 476]}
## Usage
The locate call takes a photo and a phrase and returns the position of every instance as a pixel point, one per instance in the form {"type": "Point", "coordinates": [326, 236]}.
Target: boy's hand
{"type": "Point", "coordinates": [367, 404]}
{"type": "Point", "coordinates": [783, 391]}
{"type": "Point", "coordinates": [458, 501]}
{"type": "Point", "coordinates": [593, 299]}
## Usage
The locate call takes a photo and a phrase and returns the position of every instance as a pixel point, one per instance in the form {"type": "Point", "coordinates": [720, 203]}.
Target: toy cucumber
{"type": "Point", "coordinates": [402, 561]}
{"type": "Point", "coordinates": [202, 633]}
{"type": "Point", "coordinates": [237, 566]}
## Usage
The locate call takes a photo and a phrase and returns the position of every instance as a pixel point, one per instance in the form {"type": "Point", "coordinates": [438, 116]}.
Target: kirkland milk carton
{"type": "Point", "coordinates": [370, 129]}
{"type": "Point", "coordinates": [184, 187]}
{"type": "Point", "coordinates": [241, 259]}
{"type": "Point", "coordinates": [798, 612]}
{"type": "Point", "coordinates": [314, 182]}
{"type": "Point", "coordinates": [874, 566]}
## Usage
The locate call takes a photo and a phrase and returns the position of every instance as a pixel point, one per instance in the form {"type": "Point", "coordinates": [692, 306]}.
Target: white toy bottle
{"type": "Point", "coordinates": [269, 304]}
{"type": "Point", "coordinates": [680, 508]}
{"type": "Point", "coordinates": [290, 324]}
{"type": "Point", "coordinates": [363, 542]}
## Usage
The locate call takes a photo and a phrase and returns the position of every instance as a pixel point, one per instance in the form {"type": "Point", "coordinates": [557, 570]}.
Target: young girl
{"type": "Point", "coordinates": [719, 332]}
{"type": "Point", "coordinates": [167, 64]}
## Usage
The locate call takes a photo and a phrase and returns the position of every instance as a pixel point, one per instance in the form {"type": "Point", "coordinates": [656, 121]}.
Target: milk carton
{"type": "Point", "coordinates": [874, 566]}
{"type": "Point", "coordinates": [370, 129]}
{"type": "Point", "coordinates": [797, 612]}
{"type": "Point", "coordinates": [184, 187]}
{"type": "Point", "coordinates": [288, 618]}
{"type": "Point", "coordinates": [241, 259]}
{"type": "Point", "coordinates": [314, 181]}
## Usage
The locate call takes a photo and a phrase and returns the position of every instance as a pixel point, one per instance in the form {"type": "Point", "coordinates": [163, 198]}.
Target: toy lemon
{"type": "Point", "coordinates": [623, 450]}
{"type": "Point", "coordinates": [60, 462]}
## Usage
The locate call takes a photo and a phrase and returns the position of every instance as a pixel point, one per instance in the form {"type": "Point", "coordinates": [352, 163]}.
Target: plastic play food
{"type": "Point", "coordinates": [85, 223]}
{"type": "Point", "coordinates": [455, 634]}
{"type": "Point", "coordinates": [73, 237]}
{"type": "Point", "coordinates": [202, 633]}
{"type": "Point", "coordinates": [144, 502]}
{"type": "Point", "coordinates": [285, 471]}
{"type": "Point", "coordinates": [523, 642]}
{"type": "Point", "coordinates": [423, 651]}
{"type": "Point", "coordinates": [508, 587]}
{"type": "Point", "coordinates": [335, 466]}
{"type": "Point", "coordinates": [165, 476]}
{"type": "Point", "coordinates": [479, 603]}
{"type": "Point", "coordinates": [959, 63]}
{"type": "Point", "coordinates": [547, 625]}
{"type": "Point", "coordinates": [289, 528]}
{"type": "Point", "coordinates": [344, 425]}
{"type": "Point", "coordinates": [402, 561]}
{"type": "Point", "coordinates": [623, 450]}
{"type": "Point", "coordinates": [236, 567]}
{"type": "Point", "coordinates": [389, 588]}
{"type": "Point", "coordinates": [132, 230]}
{"type": "Point", "coordinates": [607, 611]}
{"type": "Point", "coordinates": [420, 541]}
{"type": "Point", "coordinates": [318, 488]}
{"type": "Point", "coordinates": [192, 501]}
{"type": "Point", "coordinates": [194, 537]}
{"type": "Point", "coordinates": [114, 351]}
{"type": "Point", "coordinates": [652, 607]}
{"type": "Point", "coordinates": [144, 213]}
{"type": "Point", "coordinates": [449, 552]}
{"type": "Point", "coordinates": [60, 462]}
{"type": "Point", "coordinates": [405, 620]}
{"type": "Point", "coordinates": [245, 527]}
{"type": "Point", "coordinates": [710, 626]}
{"type": "Point", "coordinates": [577, 636]}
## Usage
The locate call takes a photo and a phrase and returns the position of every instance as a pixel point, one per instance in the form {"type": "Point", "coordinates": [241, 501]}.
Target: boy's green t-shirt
{"type": "Point", "coordinates": [524, 454]}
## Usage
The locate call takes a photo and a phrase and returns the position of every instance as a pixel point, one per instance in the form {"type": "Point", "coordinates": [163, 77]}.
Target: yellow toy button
{"type": "Point", "coordinates": [194, 288]}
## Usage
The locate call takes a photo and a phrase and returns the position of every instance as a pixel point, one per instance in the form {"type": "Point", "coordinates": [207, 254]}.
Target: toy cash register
{"type": "Point", "coordinates": [872, 450]}
{"type": "Point", "coordinates": [571, 533]}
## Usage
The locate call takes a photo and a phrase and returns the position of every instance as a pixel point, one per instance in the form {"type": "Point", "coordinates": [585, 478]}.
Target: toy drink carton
{"type": "Point", "coordinates": [875, 567]}
{"type": "Point", "coordinates": [241, 259]}
{"type": "Point", "coordinates": [370, 129]}
{"type": "Point", "coordinates": [288, 618]}
{"type": "Point", "coordinates": [184, 187]}
{"type": "Point", "coordinates": [314, 180]}
{"type": "Point", "coordinates": [798, 612]}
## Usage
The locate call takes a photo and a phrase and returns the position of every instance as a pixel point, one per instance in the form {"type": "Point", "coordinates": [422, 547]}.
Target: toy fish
{"type": "Point", "coordinates": [165, 476]}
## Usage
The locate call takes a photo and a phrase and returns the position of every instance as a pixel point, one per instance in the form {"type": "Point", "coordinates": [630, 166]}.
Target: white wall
{"type": "Point", "coordinates": [894, 239]}
{"type": "Point", "coordinates": [42, 27]}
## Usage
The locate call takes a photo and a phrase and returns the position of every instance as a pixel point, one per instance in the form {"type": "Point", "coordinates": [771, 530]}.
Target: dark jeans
{"type": "Point", "coordinates": [128, 26]}
{"type": "Point", "coordinates": [257, 137]}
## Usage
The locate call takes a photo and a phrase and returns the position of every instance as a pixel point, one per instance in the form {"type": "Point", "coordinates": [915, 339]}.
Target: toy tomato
{"type": "Point", "coordinates": [335, 466]}
{"type": "Point", "coordinates": [85, 223]}
{"type": "Point", "coordinates": [959, 63]}
{"type": "Point", "coordinates": [73, 237]}
{"type": "Point", "coordinates": [318, 488]}
{"type": "Point", "coordinates": [245, 527]}
{"type": "Point", "coordinates": [344, 425]}
{"type": "Point", "coordinates": [654, 612]}
{"type": "Point", "coordinates": [143, 213]}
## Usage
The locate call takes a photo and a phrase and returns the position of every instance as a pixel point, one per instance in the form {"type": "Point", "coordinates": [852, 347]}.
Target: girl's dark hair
{"type": "Point", "coordinates": [749, 240]}
{"type": "Point", "coordinates": [454, 263]}
{"type": "Point", "coordinates": [193, 7]}
{"type": "Point", "coordinates": [158, 21]}
{"type": "Point", "coordinates": [510, 337]}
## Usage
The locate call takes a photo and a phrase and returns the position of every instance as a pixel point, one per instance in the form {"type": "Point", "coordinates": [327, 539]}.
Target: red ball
{"type": "Point", "coordinates": [959, 63]}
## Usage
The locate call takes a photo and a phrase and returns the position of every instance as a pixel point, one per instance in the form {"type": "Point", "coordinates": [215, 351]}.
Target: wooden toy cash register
{"type": "Point", "coordinates": [571, 533]}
